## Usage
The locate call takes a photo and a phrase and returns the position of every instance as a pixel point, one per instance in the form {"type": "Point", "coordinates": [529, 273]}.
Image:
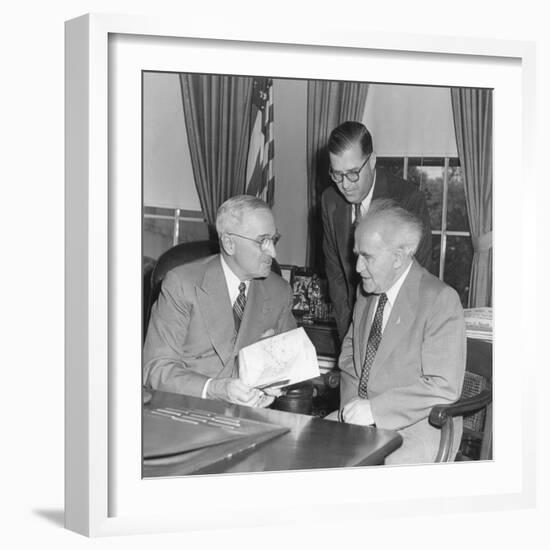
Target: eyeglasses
{"type": "Point", "coordinates": [351, 175]}
{"type": "Point", "coordinates": [262, 242]}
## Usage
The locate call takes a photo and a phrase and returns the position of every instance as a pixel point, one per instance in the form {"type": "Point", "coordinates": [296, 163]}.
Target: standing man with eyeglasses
{"type": "Point", "coordinates": [358, 181]}
{"type": "Point", "coordinates": [209, 309]}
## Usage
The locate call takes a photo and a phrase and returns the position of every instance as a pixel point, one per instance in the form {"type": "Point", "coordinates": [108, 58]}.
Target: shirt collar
{"type": "Point", "coordinates": [232, 280]}
{"type": "Point", "coordinates": [365, 203]}
{"type": "Point", "coordinates": [396, 287]}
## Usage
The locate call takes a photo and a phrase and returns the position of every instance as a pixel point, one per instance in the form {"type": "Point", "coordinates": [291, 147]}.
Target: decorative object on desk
{"type": "Point", "coordinates": [479, 323]}
{"type": "Point", "coordinates": [287, 272]}
{"type": "Point", "coordinates": [297, 398]}
{"type": "Point", "coordinates": [286, 358]}
{"type": "Point", "coordinates": [314, 300]}
{"type": "Point", "coordinates": [310, 296]}
{"type": "Point", "coordinates": [300, 282]}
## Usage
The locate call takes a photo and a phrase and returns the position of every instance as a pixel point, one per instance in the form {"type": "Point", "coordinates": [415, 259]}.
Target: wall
{"type": "Point", "coordinates": [167, 172]}
{"type": "Point", "coordinates": [410, 120]}
{"type": "Point", "coordinates": [290, 169]}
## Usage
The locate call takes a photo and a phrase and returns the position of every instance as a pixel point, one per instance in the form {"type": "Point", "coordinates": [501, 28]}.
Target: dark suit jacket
{"type": "Point", "coordinates": [419, 363]}
{"type": "Point", "coordinates": [191, 334]}
{"type": "Point", "coordinates": [338, 238]}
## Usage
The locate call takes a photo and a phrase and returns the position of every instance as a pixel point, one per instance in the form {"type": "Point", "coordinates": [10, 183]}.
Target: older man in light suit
{"type": "Point", "coordinates": [405, 350]}
{"type": "Point", "coordinates": [209, 309]}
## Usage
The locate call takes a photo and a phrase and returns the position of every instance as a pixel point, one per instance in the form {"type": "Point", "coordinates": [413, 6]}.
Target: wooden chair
{"type": "Point", "coordinates": [474, 405]}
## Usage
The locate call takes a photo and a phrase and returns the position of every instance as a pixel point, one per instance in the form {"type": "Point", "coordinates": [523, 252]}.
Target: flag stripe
{"type": "Point", "coordinates": [259, 175]}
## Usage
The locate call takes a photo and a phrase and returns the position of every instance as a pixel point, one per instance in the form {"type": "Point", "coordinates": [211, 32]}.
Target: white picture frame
{"type": "Point", "coordinates": [104, 492]}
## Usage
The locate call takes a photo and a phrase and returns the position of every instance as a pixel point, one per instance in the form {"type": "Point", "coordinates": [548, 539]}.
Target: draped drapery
{"type": "Point", "coordinates": [217, 117]}
{"type": "Point", "coordinates": [329, 103]}
{"type": "Point", "coordinates": [473, 119]}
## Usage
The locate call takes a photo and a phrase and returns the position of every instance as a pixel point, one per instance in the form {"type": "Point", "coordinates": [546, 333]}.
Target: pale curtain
{"type": "Point", "coordinates": [217, 117]}
{"type": "Point", "coordinates": [473, 118]}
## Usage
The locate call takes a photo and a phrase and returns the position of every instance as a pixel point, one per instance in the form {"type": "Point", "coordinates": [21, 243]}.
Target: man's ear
{"type": "Point", "coordinates": [227, 243]}
{"type": "Point", "coordinates": [399, 259]}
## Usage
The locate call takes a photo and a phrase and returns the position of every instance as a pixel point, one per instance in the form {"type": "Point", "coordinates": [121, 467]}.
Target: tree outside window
{"type": "Point", "coordinates": [441, 180]}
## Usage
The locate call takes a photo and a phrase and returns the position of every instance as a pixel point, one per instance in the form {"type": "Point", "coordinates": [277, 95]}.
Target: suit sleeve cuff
{"type": "Point", "coordinates": [205, 388]}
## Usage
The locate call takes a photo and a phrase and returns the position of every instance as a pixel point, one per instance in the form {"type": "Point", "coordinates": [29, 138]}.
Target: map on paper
{"type": "Point", "coordinates": [285, 358]}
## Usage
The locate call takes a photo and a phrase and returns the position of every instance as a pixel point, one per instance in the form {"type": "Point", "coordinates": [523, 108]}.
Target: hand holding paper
{"type": "Point", "coordinates": [280, 360]}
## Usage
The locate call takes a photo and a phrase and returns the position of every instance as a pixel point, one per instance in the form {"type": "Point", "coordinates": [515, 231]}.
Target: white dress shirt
{"type": "Point", "coordinates": [391, 294]}
{"type": "Point", "coordinates": [233, 283]}
{"type": "Point", "coordinates": [365, 203]}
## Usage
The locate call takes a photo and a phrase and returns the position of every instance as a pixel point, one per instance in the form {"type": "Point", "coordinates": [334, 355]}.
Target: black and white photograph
{"type": "Point", "coordinates": [377, 200]}
{"type": "Point", "coordinates": [140, 408]}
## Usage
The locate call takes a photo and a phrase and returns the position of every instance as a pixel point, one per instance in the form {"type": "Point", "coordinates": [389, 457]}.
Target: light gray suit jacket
{"type": "Point", "coordinates": [191, 333]}
{"type": "Point", "coordinates": [419, 363]}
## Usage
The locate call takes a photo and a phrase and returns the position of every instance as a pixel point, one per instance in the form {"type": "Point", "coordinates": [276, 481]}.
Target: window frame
{"type": "Point", "coordinates": [448, 162]}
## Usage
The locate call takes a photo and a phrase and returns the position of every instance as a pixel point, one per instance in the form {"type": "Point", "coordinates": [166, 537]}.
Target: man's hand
{"type": "Point", "coordinates": [235, 391]}
{"type": "Point", "coordinates": [358, 411]}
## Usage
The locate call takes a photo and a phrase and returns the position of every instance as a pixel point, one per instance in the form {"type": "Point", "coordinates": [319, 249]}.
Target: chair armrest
{"type": "Point", "coordinates": [441, 416]}
{"type": "Point", "coordinates": [440, 413]}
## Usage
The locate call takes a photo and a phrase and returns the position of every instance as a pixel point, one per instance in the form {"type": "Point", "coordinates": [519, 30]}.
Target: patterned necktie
{"type": "Point", "coordinates": [238, 307]}
{"type": "Point", "coordinates": [372, 345]}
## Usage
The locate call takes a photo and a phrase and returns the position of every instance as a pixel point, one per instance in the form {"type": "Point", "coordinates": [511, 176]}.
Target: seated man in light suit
{"type": "Point", "coordinates": [405, 350]}
{"type": "Point", "coordinates": [209, 309]}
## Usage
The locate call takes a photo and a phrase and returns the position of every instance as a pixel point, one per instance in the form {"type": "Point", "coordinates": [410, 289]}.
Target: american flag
{"type": "Point", "coordinates": [259, 168]}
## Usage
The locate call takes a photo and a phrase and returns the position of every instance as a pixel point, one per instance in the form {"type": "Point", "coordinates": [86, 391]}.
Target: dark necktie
{"type": "Point", "coordinates": [375, 336]}
{"type": "Point", "coordinates": [238, 307]}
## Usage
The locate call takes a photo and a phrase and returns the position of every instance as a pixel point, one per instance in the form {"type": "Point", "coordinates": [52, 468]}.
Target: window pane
{"type": "Point", "coordinates": [457, 218]}
{"type": "Point", "coordinates": [157, 236]}
{"type": "Point", "coordinates": [458, 262]}
{"type": "Point", "coordinates": [436, 250]}
{"type": "Point", "coordinates": [393, 165]}
{"type": "Point", "coordinates": [430, 180]}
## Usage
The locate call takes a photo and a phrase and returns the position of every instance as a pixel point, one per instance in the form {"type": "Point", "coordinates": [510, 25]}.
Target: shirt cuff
{"type": "Point", "coordinates": [205, 388]}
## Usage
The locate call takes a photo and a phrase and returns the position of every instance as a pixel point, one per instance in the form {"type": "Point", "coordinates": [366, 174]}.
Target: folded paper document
{"type": "Point", "coordinates": [280, 360]}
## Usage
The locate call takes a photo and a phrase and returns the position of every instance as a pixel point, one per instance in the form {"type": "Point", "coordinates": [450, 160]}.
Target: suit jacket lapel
{"type": "Point", "coordinates": [342, 226]}
{"type": "Point", "coordinates": [401, 317]}
{"type": "Point", "coordinates": [216, 309]}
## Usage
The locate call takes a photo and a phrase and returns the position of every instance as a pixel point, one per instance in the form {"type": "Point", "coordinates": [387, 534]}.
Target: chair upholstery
{"type": "Point", "coordinates": [474, 405]}
{"type": "Point", "coordinates": [177, 255]}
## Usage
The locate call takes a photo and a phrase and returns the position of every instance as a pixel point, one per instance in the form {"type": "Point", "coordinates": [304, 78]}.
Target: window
{"type": "Point", "coordinates": [167, 227]}
{"type": "Point", "coordinates": [441, 181]}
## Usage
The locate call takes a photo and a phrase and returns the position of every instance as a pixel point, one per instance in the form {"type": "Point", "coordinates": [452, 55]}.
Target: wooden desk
{"type": "Point", "coordinates": [310, 443]}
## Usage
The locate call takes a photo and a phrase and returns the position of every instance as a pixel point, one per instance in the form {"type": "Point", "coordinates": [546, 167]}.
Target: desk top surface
{"type": "Point", "coordinates": [311, 442]}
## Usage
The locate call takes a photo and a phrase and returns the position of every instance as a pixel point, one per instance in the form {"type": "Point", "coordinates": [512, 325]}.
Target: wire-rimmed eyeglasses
{"type": "Point", "coordinates": [262, 242]}
{"type": "Point", "coordinates": [351, 175]}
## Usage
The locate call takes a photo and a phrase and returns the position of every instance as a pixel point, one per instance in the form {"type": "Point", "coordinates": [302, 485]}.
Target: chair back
{"type": "Point", "coordinates": [478, 378]}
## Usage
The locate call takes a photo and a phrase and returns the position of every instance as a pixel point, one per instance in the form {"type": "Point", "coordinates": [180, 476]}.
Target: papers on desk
{"type": "Point", "coordinates": [281, 360]}
{"type": "Point", "coordinates": [479, 323]}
